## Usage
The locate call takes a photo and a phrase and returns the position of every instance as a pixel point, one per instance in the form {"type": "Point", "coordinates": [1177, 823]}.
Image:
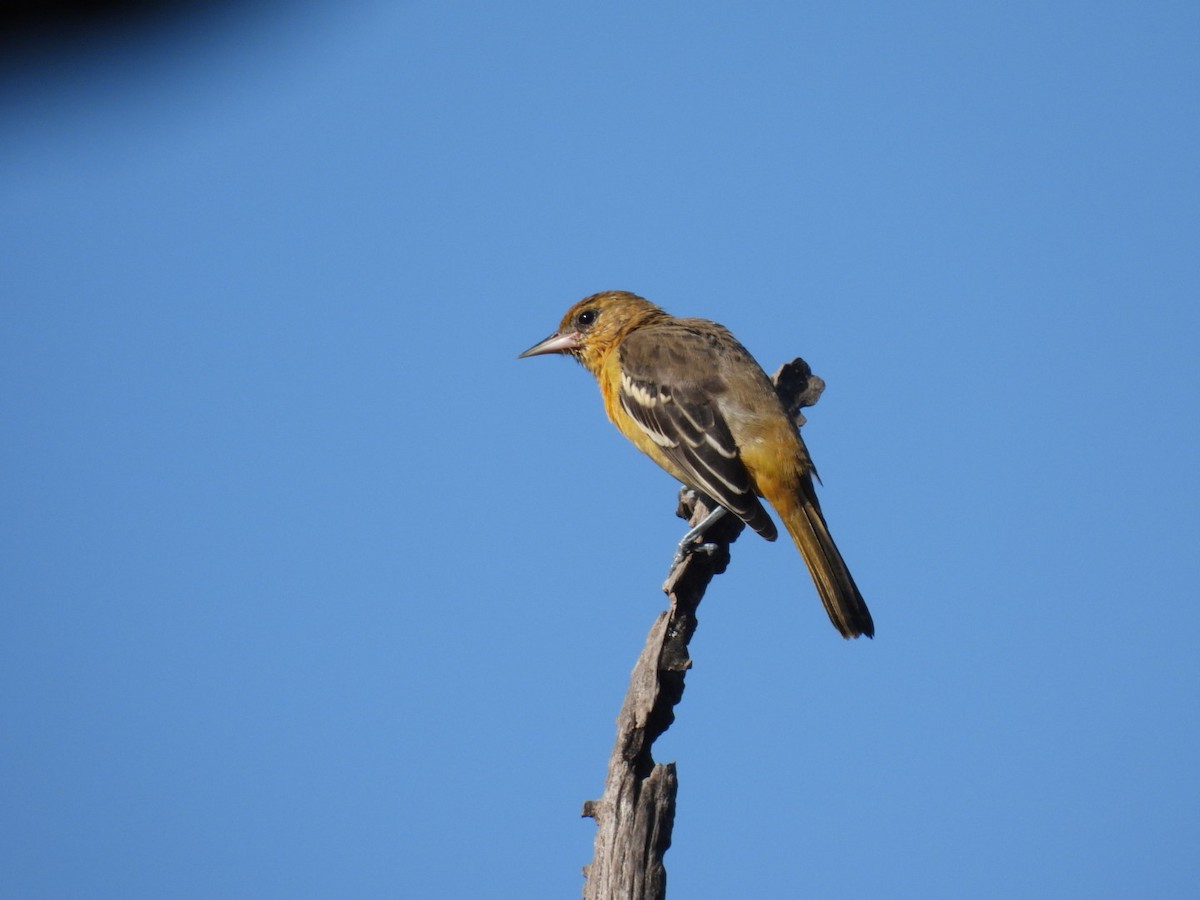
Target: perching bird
{"type": "Point", "coordinates": [694, 400]}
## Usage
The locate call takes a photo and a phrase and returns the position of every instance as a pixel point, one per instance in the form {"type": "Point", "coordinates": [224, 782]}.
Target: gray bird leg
{"type": "Point", "coordinates": [688, 545]}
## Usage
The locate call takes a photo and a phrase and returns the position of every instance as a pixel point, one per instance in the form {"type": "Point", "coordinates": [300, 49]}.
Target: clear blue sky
{"type": "Point", "coordinates": [311, 589]}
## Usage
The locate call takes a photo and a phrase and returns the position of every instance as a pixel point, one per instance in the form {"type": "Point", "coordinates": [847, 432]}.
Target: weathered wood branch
{"type": "Point", "coordinates": [635, 815]}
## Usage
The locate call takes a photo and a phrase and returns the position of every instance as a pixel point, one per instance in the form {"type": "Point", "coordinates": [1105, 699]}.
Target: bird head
{"type": "Point", "coordinates": [596, 324]}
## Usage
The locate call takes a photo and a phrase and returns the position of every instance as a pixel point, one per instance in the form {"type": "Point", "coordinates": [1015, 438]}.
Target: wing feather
{"type": "Point", "coordinates": [669, 388]}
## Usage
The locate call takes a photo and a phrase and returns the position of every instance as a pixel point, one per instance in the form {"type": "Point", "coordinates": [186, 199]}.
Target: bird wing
{"type": "Point", "coordinates": [670, 385]}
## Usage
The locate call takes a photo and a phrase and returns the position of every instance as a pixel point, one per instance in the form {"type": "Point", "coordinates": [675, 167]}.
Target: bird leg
{"type": "Point", "coordinates": [689, 545]}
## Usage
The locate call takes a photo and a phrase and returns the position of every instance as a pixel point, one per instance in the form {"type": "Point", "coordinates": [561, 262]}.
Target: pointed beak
{"type": "Point", "coordinates": [556, 343]}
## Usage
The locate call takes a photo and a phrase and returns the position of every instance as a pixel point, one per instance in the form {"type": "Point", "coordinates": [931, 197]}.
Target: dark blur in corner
{"type": "Point", "coordinates": [36, 32]}
{"type": "Point", "coordinates": [27, 25]}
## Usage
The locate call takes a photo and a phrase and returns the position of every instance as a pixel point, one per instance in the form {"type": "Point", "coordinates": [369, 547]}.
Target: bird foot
{"type": "Point", "coordinates": [690, 542]}
{"type": "Point", "coordinates": [687, 547]}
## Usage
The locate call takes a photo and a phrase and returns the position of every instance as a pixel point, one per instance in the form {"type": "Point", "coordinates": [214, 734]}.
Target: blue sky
{"type": "Point", "coordinates": [312, 590]}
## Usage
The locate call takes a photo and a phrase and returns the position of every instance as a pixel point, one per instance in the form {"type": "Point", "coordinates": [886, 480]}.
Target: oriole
{"type": "Point", "coordinates": [691, 397]}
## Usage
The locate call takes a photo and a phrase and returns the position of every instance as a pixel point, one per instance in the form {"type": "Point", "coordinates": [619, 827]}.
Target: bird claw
{"type": "Point", "coordinates": [691, 541]}
{"type": "Point", "coordinates": [687, 547]}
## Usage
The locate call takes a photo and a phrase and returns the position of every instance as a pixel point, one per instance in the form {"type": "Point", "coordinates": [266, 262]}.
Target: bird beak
{"type": "Point", "coordinates": [556, 343]}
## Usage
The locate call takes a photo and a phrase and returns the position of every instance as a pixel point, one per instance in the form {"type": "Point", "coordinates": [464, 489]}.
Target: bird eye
{"type": "Point", "coordinates": [586, 318]}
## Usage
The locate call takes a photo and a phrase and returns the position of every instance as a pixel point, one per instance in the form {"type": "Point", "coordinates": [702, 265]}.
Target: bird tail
{"type": "Point", "coordinates": [804, 522]}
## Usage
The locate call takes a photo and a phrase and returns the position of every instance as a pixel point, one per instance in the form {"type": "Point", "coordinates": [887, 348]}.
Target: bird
{"type": "Point", "coordinates": [693, 399]}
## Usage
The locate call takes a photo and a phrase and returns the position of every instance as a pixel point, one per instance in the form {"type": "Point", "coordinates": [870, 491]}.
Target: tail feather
{"type": "Point", "coordinates": [845, 605]}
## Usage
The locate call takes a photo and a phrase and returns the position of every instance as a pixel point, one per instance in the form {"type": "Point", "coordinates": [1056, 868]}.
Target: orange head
{"type": "Point", "coordinates": [595, 325]}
